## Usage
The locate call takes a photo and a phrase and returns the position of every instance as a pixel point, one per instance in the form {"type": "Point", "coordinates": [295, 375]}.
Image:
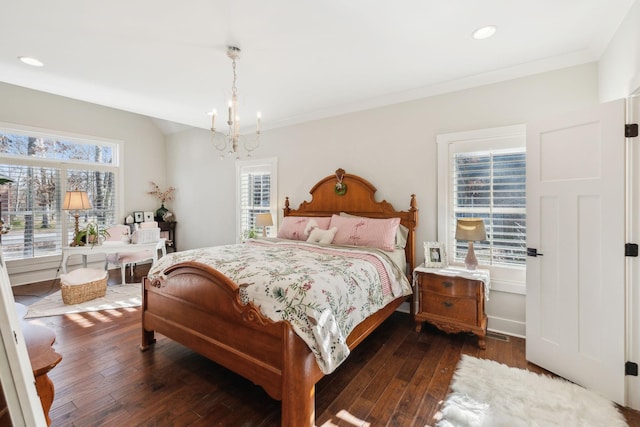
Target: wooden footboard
{"type": "Point", "coordinates": [200, 308]}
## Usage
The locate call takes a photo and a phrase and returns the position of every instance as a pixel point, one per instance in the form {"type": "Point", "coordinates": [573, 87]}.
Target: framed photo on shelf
{"type": "Point", "coordinates": [138, 216]}
{"type": "Point", "coordinates": [148, 216]}
{"type": "Point", "coordinates": [435, 255]}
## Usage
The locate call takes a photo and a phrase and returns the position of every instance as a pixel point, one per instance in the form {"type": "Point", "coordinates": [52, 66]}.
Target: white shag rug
{"type": "Point", "coordinates": [117, 296]}
{"type": "Point", "coordinates": [487, 393]}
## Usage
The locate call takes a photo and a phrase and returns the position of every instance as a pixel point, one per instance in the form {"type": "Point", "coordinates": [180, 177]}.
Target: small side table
{"type": "Point", "coordinates": [170, 229]}
{"type": "Point", "coordinates": [452, 299]}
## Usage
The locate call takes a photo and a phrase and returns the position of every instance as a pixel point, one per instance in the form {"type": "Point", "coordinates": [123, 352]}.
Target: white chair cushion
{"type": "Point", "coordinates": [131, 257]}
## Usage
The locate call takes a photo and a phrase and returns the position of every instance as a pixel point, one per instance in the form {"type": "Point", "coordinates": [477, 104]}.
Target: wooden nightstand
{"type": "Point", "coordinates": [452, 299]}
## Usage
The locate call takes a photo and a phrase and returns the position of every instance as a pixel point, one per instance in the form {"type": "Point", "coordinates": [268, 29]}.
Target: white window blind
{"type": "Point", "coordinates": [491, 185]}
{"type": "Point", "coordinates": [31, 211]}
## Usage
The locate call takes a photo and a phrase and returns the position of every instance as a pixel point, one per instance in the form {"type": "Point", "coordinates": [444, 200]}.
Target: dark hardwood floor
{"type": "Point", "coordinates": [396, 377]}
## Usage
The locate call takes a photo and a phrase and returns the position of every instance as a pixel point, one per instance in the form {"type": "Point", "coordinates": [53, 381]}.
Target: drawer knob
{"type": "Point", "coordinates": [447, 284]}
{"type": "Point", "coordinates": [448, 304]}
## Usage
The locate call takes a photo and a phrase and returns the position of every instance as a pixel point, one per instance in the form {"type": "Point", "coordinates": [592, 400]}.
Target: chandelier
{"type": "Point", "coordinates": [228, 143]}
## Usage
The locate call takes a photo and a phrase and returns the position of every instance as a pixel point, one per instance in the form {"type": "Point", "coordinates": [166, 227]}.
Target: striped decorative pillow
{"type": "Point", "coordinates": [371, 232]}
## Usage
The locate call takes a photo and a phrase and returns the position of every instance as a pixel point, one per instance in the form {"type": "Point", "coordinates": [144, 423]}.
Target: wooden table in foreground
{"type": "Point", "coordinates": [39, 340]}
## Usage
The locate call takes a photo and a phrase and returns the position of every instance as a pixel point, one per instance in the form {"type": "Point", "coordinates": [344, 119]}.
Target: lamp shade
{"type": "Point", "coordinates": [76, 200]}
{"type": "Point", "coordinates": [470, 229]}
{"type": "Point", "coordinates": [264, 220]}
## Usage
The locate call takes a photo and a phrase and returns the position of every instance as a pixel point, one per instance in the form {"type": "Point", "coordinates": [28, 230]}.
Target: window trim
{"type": "Point", "coordinates": [503, 278]}
{"type": "Point", "coordinates": [272, 164]}
{"type": "Point", "coordinates": [37, 267]}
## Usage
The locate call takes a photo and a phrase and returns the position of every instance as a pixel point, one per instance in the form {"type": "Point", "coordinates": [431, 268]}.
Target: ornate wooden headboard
{"type": "Point", "coordinates": [352, 194]}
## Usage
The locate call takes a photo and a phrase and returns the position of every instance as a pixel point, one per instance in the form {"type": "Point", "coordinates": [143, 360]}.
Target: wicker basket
{"type": "Point", "coordinates": [75, 294]}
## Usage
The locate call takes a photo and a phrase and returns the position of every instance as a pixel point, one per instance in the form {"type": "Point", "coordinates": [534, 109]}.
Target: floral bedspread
{"type": "Point", "coordinates": [323, 291]}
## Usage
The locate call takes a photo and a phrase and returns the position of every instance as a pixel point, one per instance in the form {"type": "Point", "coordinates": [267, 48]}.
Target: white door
{"type": "Point", "coordinates": [633, 263]}
{"type": "Point", "coordinates": [575, 220]}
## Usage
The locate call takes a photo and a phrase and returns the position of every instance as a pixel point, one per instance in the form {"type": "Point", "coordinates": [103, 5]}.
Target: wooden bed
{"type": "Point", "coordinates": [200, 308]}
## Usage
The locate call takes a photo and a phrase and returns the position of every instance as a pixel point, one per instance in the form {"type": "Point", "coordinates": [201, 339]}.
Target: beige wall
{"type": "Point", "coordinates": [143, 143]}
{"type": "Point", "coordinates": [619, 66]}
{"type": "Point", "coordinates": [394, 147]}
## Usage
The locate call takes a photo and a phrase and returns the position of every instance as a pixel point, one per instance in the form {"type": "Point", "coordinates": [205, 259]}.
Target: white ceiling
{"type": "Point", "coordinates": [301, 60]}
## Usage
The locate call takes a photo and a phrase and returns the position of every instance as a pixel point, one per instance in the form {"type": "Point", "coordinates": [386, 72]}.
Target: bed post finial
{"type": "Point", "coordinates": [413, 204]}
{"type": "Point", "coordinates": [286, 208]}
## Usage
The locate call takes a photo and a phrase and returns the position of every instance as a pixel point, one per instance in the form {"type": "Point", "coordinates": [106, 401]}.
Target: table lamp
{"type": "Point", "coordinates": [76, 201]}
{"type": "Point", "coordinates": [264, 220]}
{"type": "Point", "coordinates": [472, 230]}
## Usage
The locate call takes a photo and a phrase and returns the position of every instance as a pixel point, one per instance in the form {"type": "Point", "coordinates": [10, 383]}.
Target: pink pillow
{"type": "Point", "coordinates": [292, 227]}
{"type": "Point", "coordinates": [372, 232]}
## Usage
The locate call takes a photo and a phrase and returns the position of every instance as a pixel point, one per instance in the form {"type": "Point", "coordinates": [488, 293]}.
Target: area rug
{"type": "Point", "coordinates": [117, 296]}
{"type": "Point", "coordinates": [487, 393]}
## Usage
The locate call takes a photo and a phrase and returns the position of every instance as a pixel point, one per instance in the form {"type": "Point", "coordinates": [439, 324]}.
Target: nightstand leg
{"type": "Point", "coordinates": [482, 343]}
{"type": "Point", "coordinates": [418, 327]}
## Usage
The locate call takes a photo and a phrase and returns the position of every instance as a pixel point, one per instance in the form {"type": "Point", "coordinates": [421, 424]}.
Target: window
{"type": "Point", "coordinates": [42, 167]}
{"type": "Point", "coordinates": [256, 193]}
{"type": "Point", "coordinates": [482, 175]}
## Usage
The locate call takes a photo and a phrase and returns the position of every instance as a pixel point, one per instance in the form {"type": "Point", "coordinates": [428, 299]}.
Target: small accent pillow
{"type": "Point", "coordinates": [322, 236]}
{"type": "Point", "coordinates": [293, 227]}
{"type": "Point", "coordinates": [371, 232]}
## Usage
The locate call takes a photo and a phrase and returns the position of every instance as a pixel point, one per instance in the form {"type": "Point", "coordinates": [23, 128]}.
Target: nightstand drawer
{"type": "Point", "coordinates": [461, 309]}
{"type": "Point", "coordinates": [444, 285]}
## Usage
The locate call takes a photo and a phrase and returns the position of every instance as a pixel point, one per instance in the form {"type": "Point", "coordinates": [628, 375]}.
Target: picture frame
{"type": "Point", "coordinates": [148, 216]}
{"type": "Point", "coordinates": [435, 255]}
{"type": "Point", "coordinates": [138, 216]}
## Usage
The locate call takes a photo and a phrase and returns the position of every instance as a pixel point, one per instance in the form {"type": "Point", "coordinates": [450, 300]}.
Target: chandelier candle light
{"type": "Point", "coordinates": [228, 144]}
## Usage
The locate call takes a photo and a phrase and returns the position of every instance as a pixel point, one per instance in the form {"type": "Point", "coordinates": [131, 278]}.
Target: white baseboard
{"type": "Point", "coordinates": [507, 327]}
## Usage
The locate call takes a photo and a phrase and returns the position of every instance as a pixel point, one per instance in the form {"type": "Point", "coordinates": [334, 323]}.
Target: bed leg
{"type": "Point", "coordinates": [148, 338]}
{"type": "Point", "coordinates": [300, 411]}
{"type": "Point", "coordinates": [298, 385]}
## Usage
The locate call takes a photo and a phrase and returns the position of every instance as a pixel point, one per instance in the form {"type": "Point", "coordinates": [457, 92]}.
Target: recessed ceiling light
{"type": "Point", "coordinates": [484, 32]}
{"type": "Point", "coordinates": [31, 61]}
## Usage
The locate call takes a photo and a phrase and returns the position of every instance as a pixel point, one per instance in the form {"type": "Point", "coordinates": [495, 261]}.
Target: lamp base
{"type": "Point", "coordinates": [76, 231]}
{"type": "Point", "coordinates": [471, 262]}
